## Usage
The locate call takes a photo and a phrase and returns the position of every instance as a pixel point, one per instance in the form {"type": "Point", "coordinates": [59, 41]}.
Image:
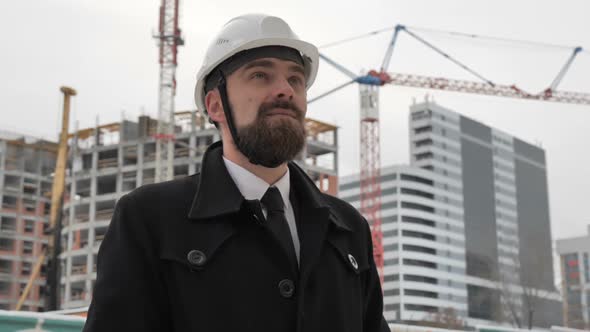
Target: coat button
{"type": "Point", "coordinates": [353, 261]}
{"type": "Point", "coordinates": [286, 288]}
{"type": "Point", "coordinates": [196, 257]}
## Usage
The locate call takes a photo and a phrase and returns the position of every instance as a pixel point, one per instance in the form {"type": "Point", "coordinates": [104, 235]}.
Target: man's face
{"type": "Point", "coordinates": [268, 99]}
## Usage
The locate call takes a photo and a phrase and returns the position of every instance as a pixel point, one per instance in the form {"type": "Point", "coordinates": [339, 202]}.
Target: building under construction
{"type": "Point", "coordinates": [110, 160]}
{"type": "Point", "coordinates": [26, 166]}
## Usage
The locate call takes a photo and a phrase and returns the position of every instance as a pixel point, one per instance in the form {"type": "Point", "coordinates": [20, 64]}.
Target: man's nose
{"type": "Point", "coordinates": [284, 90]}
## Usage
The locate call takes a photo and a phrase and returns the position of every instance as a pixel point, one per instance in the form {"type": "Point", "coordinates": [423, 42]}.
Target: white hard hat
{"type": "Point", "coordinates": [249, 32]}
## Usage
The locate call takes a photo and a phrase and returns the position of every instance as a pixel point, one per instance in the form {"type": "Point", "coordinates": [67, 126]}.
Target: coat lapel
{"type": "Point", "coordinates": [314, 218]}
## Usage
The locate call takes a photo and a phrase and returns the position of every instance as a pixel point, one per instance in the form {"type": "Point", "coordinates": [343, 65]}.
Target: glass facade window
{"type": "Point", "coordinates": [391, 277]}
{"type": "Point", "coordinates": [420, 221]}
{"type": "Point", "coordinates": [420, 293]}
{"type": "Point", "coordinates": [419, 263]}
{"type": "Point", "coordinates": [420, 307]}
{"type": "Point", "coordinates": [416, 206]}
{"type": "Point", "coordinates": [391, 292]}
{"type": "Point", "coordinates": [413, 178]}
{"type": "Point", "coordinates": [415, 192]}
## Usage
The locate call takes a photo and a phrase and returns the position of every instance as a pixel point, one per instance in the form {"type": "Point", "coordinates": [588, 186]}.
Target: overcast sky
{"type": "Point", "coordinates": [105, 50]}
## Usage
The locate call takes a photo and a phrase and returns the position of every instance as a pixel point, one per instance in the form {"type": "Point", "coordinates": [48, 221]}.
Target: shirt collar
{"type": "Point", "coordinates": [216, 194]}
{"type": "Point", "coordinates": [251, 186]}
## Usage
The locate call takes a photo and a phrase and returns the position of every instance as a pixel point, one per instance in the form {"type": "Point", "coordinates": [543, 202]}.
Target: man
{"type": "Point", "coordinates": [249, 243]}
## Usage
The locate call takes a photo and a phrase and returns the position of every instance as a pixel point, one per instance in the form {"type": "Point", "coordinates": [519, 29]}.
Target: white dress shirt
{"type": "Point", "coordinates": [252, 187]}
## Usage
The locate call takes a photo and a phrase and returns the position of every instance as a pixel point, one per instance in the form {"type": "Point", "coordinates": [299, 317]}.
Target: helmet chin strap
{"type": "Point", "coordinates": [222, 86]}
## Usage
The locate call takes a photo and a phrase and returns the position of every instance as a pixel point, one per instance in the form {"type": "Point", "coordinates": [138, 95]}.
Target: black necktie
{"type": "Point", "coordinates": [277, 222]}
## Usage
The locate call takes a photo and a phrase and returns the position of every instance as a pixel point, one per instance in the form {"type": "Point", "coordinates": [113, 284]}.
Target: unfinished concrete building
{"type": "Point", "coordinates": [111, 160]}
{"type": "Point", "coordinates": [26, 165]}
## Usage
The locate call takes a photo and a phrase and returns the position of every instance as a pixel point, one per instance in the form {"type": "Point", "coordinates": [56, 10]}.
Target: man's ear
{"type": "Point", "coordinates": [214, 106]}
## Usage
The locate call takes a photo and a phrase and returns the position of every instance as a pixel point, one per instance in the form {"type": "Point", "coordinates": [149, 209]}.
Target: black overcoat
{"type": "Point", "coordinates": [191, 255]}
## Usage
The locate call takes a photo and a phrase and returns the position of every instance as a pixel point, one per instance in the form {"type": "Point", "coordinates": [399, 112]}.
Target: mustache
{"type": "Point", "coordinates": [265, 108]}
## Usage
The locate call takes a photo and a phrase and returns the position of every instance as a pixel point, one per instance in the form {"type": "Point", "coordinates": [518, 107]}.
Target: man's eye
{"type": "Point", "coordinates": [259, 75]}
{"type": "Point", "coordinates": [296, 80]}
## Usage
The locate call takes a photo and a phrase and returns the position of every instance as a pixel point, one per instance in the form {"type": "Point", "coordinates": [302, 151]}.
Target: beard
{"type": "Point", "coordinates": [272, 142]}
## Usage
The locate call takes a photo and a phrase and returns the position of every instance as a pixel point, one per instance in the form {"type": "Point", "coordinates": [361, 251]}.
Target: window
{"type": "Point", "coordinates": [425, 250]}
{"type": "Point", "coordinates": [424, 129]}
{"type": "Point", "coordinates": [415, 206]}
{"type": "Point", "coordinates": [391, 277]}
{"type": "Point", "coordinates": [130, 155]}
{"type": "Point", "coordinates": [5, 266]}
{"type": "Point", "coordinates": [6, 244]}
{"type": "Point", "coordinates": [79, 265]}
{"type": "Point", "coordinates": [87, 161]}
{"type": "Point", "coordinates": [107, 158]}
{"type": "Point", "coordinates": [420, 263]}
{"type": "Point", "coordinates": [7, 224]}
{"type": "Point", "coordinates": [129, 181]}
{"type": "Point", "coordinates": [423, 142]}
{"type": "Point", "coordinates": [425, 155]}
{"type": "Point", "coordinates": [419, 221]}
{"type": "Point", "coordinates": [29, 205]}
{"type": "Point", "coordinates": [420, 293]}
{"type": "Point", "coordinates": [420, 307]}
{"type": "Point", "coordinates": [419, 235]}
{"type": "Point", "coordinates": [78, 291]}
{"type": "Point", "coordinates": [424, 114]}
{"type": "Point", "coordinates": [412, 178]}
{"type": "Point", "coordinates": [9, 202]}
{"type": "Point", "coordinates": [82, 188]}
{"type": "Point", "coordinates": [391, 292]}
{"type": "Point", "coordinates": [27, 247]}
{"type": "Point", "coordinates": [29, 226]}
{"type": "Point", "coordinates": [4, 287]}
{"type": "Point", "coordinates": [25, 268]}
{"type": "Point", "coordinates": [106, 184]}
{"type": "Point", "coordinates": [415, 192]}
{"type": "Point", "coordinates": [99, 233]}
{"type": "Point", "coordinates": [12, 183]}
{"type": "Point", "coordinates": [423, 279]}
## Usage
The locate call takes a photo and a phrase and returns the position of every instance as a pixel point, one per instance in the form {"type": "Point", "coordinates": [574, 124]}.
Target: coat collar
{"type": "Point", "coordinates": [218, 195]}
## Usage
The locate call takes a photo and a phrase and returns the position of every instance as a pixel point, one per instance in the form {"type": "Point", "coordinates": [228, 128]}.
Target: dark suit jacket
{"type": "Point", "coordinates": [191, 255]}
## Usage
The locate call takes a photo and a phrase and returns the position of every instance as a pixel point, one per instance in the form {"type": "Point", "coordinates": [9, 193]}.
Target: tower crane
{"type": "Point", "coordinates": [169, 38]}
{"type": "Point", "coordinates": [369, 85]}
